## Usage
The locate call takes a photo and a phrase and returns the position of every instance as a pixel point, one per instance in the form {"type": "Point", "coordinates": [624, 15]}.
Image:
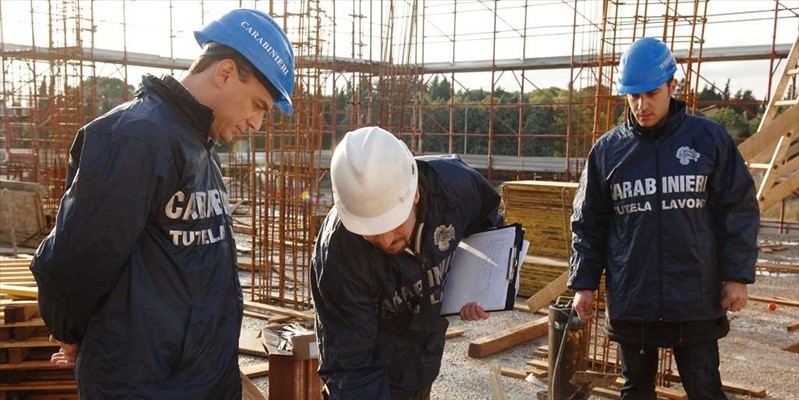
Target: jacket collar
{"type": "Point", "coordinates": [173, 92]}
{"type": "Point", "coordinates": [665, 127]}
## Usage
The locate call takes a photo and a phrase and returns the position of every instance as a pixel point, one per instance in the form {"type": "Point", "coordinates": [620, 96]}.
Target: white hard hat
{"type": "Point", "coordinates": [374, 178]}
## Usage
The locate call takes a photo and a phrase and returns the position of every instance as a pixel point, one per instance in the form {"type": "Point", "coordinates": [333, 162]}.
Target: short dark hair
{"type": "Point", "coordinates": [213, 52]}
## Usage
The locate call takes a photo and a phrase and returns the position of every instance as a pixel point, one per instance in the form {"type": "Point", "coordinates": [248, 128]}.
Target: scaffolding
{"type": "Point", "coordinates": [464, 76]}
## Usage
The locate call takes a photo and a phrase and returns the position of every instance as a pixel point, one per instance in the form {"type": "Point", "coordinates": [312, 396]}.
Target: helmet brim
{"type": "Point", "coordinates": [378, 225]}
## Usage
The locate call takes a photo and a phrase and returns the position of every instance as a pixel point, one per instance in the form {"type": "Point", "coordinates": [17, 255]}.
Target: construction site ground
{"type": "Point", "coordinates": [752, 354]}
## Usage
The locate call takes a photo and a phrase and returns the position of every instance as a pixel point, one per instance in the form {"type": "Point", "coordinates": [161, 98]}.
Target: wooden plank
{"type": "Point", "coordinates": [670, 393]}
{"type": "Point", "coordinates": [18, 355]}
{"type": "Point", "coordinates": [514, 372]}
{"type": "Point", "coordinates": [38, 386]}
{"type": "Point", "coordinates": [740, 388]}
{"type": "Point", "coordinates": [27, 343]}
{"type": "Point", "coordinates": [249, 391]}
{"type": "Point", "coordinates": [21, 313]}
{"type": "Point", "coordinates": [251, 343]}
{"type": "Point", "coordinates": [255, 370]}
{"type": "Point", "coordinates": [33, 364]}
{"type": "Point", "coordinates": [453, 332]}
{"type": "Point", "coordinates": [549, 293]}
{"type": "Point", "coordinates": [766, 137]}
{"type": "Point", "coordinates": [254, 314]}
{"type": "Point", "coordinates": [793, 326]}
{"type": "Point", "coordinates": [783, 189]}
{"type": "Point", "coordinates": [539, 373]}
{"type": "Point", "coordinates": [308, 316]}
{"type": "Point", "coordinates": [542, 364]}
{"type": "Point", "coordinates": [792, 303]}
{"type": "Point", "coordinates": [794, 348]}
{"type": "Point", "coordinates": [507, 338]}
{"type": "Point", "coordinates": [22, 291]}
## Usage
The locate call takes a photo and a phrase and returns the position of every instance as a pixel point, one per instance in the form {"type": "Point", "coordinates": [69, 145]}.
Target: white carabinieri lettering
{"type": "Point", "coordinates": [266, 46]}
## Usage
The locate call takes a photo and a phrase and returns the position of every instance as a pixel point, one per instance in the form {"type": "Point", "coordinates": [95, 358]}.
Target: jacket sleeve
{"type": "Point", "coordinates": [478, 202]}
{"type": "Point", "coordinates": [487, 211]}
{"type": "Point", "coordinates": [590, 225]}
{"type": "Point", "coordinates": [101, 215]}
{"type": "Point", "coordinates": [352, 362]}
{"type": "Point", "coordinates": [736, 214]}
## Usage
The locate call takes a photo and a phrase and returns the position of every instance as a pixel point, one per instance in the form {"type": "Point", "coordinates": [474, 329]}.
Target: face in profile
{"type": "Point", "coordinates": [239, 105]}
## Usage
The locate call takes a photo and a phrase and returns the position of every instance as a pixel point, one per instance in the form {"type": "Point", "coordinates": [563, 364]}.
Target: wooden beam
{"type": "Point", "coordinates": [308, 316]}
{"type": "Point", "coordinates": [251, 343]}
{"type": "Point", "coordinates": [792, 303]}
{"type": "Point", "coordinates": [549, 293]}
{"type": "Point", "coordinates": [255, 370]}
{"type": "Point", "coordinates": [507, 338]}
{"type": "Point", "coordinates": [740, 388]}
{"type": "Point", "coordinates": [765, 138]}
{"type": "Point", "coordinates": [249, 391]}
{"type": "Point", "coordinates": [794, 348]}
{"type": "Point", "coordinates": [21, 291]}
{"type": "Point", "coordinates": [514, 372]}
{"type": "Point", "coordinates": [780, 190]}
{"type": "Point", "coordinates": [452, 332]}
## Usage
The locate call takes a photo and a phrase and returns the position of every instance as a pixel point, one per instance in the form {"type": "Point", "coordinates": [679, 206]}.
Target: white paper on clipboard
{"type": "Point", "coordinates": [483, 267]}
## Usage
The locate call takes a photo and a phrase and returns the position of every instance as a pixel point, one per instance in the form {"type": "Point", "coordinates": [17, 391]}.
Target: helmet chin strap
{"type": "Point", "coordinates": [417, 231]}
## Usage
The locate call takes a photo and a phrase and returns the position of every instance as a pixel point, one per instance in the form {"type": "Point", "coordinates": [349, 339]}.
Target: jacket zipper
{"type": "Point", "coordinates": [657, 224]}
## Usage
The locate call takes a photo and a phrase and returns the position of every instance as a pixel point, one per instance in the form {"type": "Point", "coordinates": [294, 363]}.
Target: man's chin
{"type": "Point", "coordinates": [393, 250]}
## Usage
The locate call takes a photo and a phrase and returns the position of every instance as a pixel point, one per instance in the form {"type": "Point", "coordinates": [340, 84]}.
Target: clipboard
{"type": "Point", "coordinates": [485, 269]}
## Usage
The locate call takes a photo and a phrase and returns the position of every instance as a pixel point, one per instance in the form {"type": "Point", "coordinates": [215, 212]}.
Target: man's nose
{"type": "Point", "coordinates": [256, 120]}
{"type": "Point", "coordinates": [643, 102]}
{"type": "Point", "coordinates": [386, 240]}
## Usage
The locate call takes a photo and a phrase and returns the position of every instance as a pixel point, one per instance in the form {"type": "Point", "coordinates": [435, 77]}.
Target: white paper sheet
{"type": "Point", "coordinates": [481, 271]}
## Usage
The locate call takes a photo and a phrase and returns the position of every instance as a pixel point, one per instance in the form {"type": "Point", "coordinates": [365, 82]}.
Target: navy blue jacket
{"type": "Point", "coordinates": [140, 268]}
{"type": "Point", "coordinates": [668, 219]}
{"type": "Point", "coordinates": [377, 315]}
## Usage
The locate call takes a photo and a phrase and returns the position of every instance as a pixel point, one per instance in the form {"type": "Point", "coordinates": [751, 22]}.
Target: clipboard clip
{"type": "Point", "coordinates": [513, 262]}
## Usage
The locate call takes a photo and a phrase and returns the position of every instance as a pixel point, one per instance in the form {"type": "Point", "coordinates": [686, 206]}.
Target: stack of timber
{"type": "Point", "coordinates": [544, 209]}
{"type": "Point", "coordinates": [25, 368]}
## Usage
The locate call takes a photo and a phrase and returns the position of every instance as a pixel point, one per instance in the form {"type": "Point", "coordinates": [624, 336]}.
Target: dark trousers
{"type": "Point", "coordinates": [423, 394]}
{"type": "Point", "coordinates": [698, 366]}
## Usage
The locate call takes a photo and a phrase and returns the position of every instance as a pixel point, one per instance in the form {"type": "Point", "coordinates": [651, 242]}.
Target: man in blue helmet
{"type": "Point", "coordinates": [666, 209]}
{"type": "Point", "coordinates": [138, 281]}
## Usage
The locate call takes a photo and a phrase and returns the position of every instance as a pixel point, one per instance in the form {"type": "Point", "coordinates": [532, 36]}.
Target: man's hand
{"type": "Point", "coordinates": [66, 355]}
{"type": "Point", "coordinates": [733, 296]}
{"type": "Point", "coordinates": [473, 312]}
{"type": "Point", "coordinates": [584, 304]}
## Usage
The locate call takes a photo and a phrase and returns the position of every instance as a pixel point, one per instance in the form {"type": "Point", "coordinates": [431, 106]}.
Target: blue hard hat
{"type": "Point", "coordinates": [260, 40]}
{"type": "Point", "coordinates": [644, 66]}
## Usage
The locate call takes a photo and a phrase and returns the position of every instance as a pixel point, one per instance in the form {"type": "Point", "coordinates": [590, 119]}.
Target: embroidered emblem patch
{"type": "Point", "coordinates": [686, 154]}
{"type": "Point", "coordinates": [443, 235]}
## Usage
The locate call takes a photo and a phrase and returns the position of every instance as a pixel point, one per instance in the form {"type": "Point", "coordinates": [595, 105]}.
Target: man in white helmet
{"type": "Point", "coordinates": [138, 281]}
{"type": "Point", "coordinates": [380, 259]}
{"type": "Point", "coordinates": [666, 209]}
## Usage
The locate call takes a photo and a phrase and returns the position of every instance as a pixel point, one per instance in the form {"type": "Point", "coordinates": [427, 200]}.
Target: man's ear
{"type": "Point", "coordinates": [225, 71]}
{"type": "Point", "coordinates": [672, 87]}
